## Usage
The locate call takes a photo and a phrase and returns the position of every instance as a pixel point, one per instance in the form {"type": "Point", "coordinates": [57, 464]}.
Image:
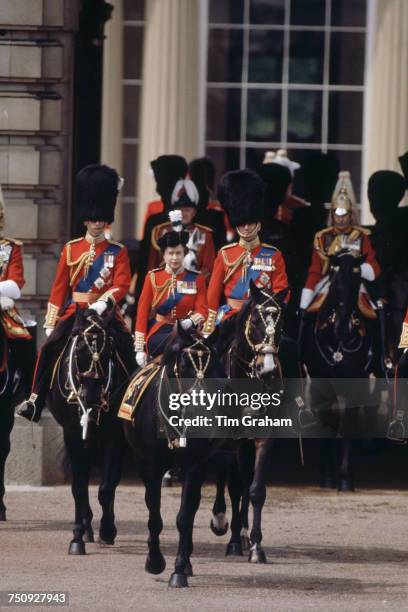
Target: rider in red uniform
{"type": "Point", "coordinates": [170, 293]}
{"type": "Point", "coordinates": [91, 272]}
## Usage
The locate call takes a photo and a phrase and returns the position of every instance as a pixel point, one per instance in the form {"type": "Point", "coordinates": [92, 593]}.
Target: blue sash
{"type": "Point", "coordinates": [240, 289]}
{"type": "Point", "coordinates": [86, 282]}
{"type": "Point", "coordinates": [175, 298]}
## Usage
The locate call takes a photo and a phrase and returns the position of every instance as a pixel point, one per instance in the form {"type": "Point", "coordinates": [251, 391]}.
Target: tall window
{"type": "Point", "coordinates": [133, 31]}
{"type": "Point", "coordinates": [285, 73]}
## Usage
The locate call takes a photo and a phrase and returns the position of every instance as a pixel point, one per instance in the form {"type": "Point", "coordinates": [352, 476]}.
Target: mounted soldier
{"type": "Point", "coordinates": [341, 236]}
{"type": "Point", "coordinates": [241, 193]}
{"type": "Point", "coordinates": [92, 272]}
{"type": "Point", "coordinates": [200, 254]}
{"type": "Point", "coordinates": [19, 339]}
{"type": "Point", "coordinates": [170, 293]}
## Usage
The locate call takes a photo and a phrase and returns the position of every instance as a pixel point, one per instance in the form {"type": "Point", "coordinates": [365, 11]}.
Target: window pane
{"type": "Point", "coordinates": [133, 9]}
{"type": "Point", "coordinates": [224, 158]}
{"type": "Point", "coordinates": [345, 117]}
{"type": "Point", "coordinates": [304, 116]}
{"type": "Point", "coordinates": [226, 11]}
{"type": "Point", "coordinates": [254, 158]}
{"type": "Point", "coordinates": [265, 57]}
{"type": "Point", "coordinates": [223, 114]}
{"type": "Point", "coordinates": [132, 53]}
{"type": "Point", "coordinates": [130, 153]}
{"type": "Point", "coordinates": [306, 57]}
{"type": "Point", "coordinates": [308, 12]}
{"type": "Point", "coordinates": [131, 98]}
{"type": "Point", "coordinates": [225, 55]}
{"type": "Point", "coordinates": [267, 11]}
{"type": "Point", "coordinates": [264, 115]}
{"type": "Point", "coordinates": [347, 51]}
{"type": "Point", "coordinates": [348, 13]}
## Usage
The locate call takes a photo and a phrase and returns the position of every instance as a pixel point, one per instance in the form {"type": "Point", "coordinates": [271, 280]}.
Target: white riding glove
{"type": "Point", "coordinates": [186, 323]}
{"type": "Point", "coordinates": [367, 272]}
{"type": "Point", "coordinates": [6, 303]}
{"type": "Point", "coordinates": [99, 307]}
{"type": "Point", "coordinates": [141, 359]}
{"type": "Point", "coordinates": [10, 289]}
{"type": "Point", "coordinates": [48, 331]}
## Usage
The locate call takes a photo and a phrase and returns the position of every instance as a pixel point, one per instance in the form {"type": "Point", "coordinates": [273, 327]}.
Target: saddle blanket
{"type": "Point", "coordinates": [136, 389]}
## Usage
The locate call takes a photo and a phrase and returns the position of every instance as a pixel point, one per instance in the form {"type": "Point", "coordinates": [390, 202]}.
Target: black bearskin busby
{"type": "Point", "coordinates": [167, 170]}
{"type": "Point", "coordinates": [403, 160]}
{"type": "Point", "coordinates": [277, 179]}
{"type": "Point", "coordinates": [241, 194]}
{"type": "Point", "coordinates": [385, 190]}
{"type": "Point", "coordinates": [96, 192]}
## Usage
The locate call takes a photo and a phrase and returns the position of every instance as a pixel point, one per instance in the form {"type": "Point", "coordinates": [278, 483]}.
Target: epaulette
{"type": "Point", "coordinates": [203, 226]}
{"type": "Point", "coordinates": [159, 269]}
{"type": "Point", "coordinates": [320, 233]}
{"type": "Point", "coordinates": [13, 241]}
{"type": "Point", "coordinates": [228, 246]}
{"type": "Point", "coordinates": [75, 240]}
{"type": "Point", "coordinates": [119, 244]}
{"type": "Point", "coordinates": [269, 246]}
{"type": "Point", "coordinates": [363, 230]}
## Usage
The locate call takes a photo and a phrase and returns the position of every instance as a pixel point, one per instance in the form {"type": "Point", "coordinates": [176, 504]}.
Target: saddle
{"type": "Point", "coordinates": [136, 389]}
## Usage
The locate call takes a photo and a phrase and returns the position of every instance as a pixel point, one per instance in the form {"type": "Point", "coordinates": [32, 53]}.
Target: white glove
{"type": "Point", "coordinates": [99, 307]}
{"type": "Point", "coordinates": [6, 303]}
{"type": "Point", "coordinates": [367, 272]}
{"type": "Point", "coordinates": [141, 359]}
{"type": "Point", "coordinates": [10, 289]}
{"type": "Point", "coordinates": [48, 331]}
{"type": "Point", "coordinates": [186, 324]}
{"type": "Point", "coordinates": [306, 298]}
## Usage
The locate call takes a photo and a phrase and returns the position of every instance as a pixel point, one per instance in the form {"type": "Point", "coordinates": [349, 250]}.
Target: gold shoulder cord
{"type": "Point", "coordinates": [233, 266]}
{"type": "Point", "coordinates": [160, 289]}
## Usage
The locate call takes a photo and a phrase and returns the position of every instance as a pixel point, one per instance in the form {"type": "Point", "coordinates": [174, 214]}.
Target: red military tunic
{"type": "Point", "coordinates": [153, 208]}
{"type": "Point", "coordinates": [206, 250]}
{"type": "Point", "coordinates": [234, 267]}
{"type": "Point", "coordinates": [85, 275]}
{"type": "Point", "coordinates": [169, 297]}
{"type": "Point", "coordinates": [11, 268]}
{"type": "Point", "coordinates": [329, 242]}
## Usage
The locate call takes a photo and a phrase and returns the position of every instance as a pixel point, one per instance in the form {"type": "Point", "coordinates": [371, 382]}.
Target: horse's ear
{"type": "Point", "coordinates": [281, 295]}
{"type": "Point", "coordinates": [255, 292]}
{"type": "Point", "coordinates": [106, 321]}
{"type": "Point", "coordinates": [78, 320]}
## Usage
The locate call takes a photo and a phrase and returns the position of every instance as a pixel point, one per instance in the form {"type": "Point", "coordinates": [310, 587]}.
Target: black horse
{"type": "Point", "coordinates": [253, 353]}
{"type": "Point", "coordinates": [187, 357]}
{"type": "Point", "coordinates": [7, 371]}
{"type": "Point", "coordinates": [86, 374]}
{"type": "Point", "coordinates": [337, 347]}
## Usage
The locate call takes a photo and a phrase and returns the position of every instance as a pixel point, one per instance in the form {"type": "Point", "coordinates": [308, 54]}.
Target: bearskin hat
{"type": "Point", "coordinates": [403, 160]}
{"type": "Point", "coordinates": [96, 191]}
{"type": "Point", "coordinates": [277, 179]}
{"type": "Point", "coordinates": [241, 194]}
{"type": "Point", "coordinates": [202, 172]}
{"type": "Point", "coordinates": [385, 191]}
{"type": "Point", "coordinates": [167, 170]}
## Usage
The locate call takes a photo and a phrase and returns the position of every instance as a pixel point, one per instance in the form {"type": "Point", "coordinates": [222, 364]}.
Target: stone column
{"type": "Point", "coordinates": [112, 100]}
{"type": "Point", "coordinates": [386, 109]}
{"type": "Point", "coordinates": [170, 93]}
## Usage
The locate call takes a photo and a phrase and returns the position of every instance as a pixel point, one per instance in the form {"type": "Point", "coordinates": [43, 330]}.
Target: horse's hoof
{"type": "Point", "coordinates": [106, 541]}
{"type": "Point", "coordinates": [219, 531]}
{"type": "Point", "coordinates": [76, 548]}
{"type": "Point", "coordinates": [234, 549]}
{"type": "Point", "coordinates": [88, 536]}
{"type": "Point", "coordinates": [156, 567]}
{"type": "Point", "coordinates": [256, 555]}
{"type": "Point", "coordinates": [345, 485]}
{"type": "Point", "coordinates": [2, 515]}
{"type": "Point", "coordinates": [245, 542]}
{"type": "Point", "coordinates": [188, 570]}
{"type": "Point", "coordinates": [178, 581]}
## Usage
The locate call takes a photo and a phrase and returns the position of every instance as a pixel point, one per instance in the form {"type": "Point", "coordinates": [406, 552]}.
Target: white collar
{"type": "Point", "coordinates": [170, 271]}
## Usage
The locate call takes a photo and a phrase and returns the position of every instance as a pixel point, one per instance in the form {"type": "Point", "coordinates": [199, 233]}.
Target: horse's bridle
{"type": "Point", "coordinates": [267, 346]}
{"type": "Point", "coordinates": [95, 371]}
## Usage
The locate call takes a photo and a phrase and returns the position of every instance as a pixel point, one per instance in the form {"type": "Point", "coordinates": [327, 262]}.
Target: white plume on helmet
{"type": "Point", "coordinates": [176, 218]}
{"type": "Point", "coordinates": [281, 158]}
{"type": "Point", "coordinates": [187, 186]}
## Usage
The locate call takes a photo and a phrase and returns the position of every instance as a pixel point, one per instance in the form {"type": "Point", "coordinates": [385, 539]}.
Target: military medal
{"type": "Point", "coordinates": [187, 287]}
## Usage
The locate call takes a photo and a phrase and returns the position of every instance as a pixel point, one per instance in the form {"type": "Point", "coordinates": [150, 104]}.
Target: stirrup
{"type": "Point", "coordinates": [29, 409]}
{"type": "Point", "coordinates": [396, 429]}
